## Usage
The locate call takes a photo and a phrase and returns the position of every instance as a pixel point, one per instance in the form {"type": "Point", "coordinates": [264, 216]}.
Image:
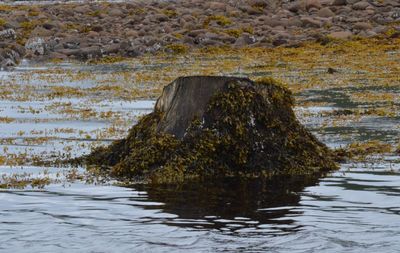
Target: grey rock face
{"type": "Point", "coordinates": [36, 45]}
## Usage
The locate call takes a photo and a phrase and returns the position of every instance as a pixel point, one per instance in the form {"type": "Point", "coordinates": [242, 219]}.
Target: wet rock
{"type": "Point", "coordinates": [339, 2]}
{"type": "Point", "coordinates": [208, 126]}
{"type": "Point", "coordinates": [8, 34]}
{"type": "Point", "coordinates": [36, 46]}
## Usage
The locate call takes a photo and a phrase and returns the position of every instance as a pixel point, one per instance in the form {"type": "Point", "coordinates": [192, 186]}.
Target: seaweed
{"type": "Point", "coordinates": [247, 131]}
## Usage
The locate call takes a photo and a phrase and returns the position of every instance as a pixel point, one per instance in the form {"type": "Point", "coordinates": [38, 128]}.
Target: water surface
{"type": "Point", "coordinates": [356, 209]}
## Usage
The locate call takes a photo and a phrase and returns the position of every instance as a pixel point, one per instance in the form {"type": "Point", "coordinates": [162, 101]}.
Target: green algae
{"type": "Point", "coordinates": [247, 131]}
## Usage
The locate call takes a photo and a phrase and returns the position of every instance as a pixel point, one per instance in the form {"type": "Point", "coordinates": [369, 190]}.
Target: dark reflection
{"type": "Point", "coordinates": [227, 199]}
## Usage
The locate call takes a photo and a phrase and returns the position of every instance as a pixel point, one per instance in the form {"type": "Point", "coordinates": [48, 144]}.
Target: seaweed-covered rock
{"type": "Point", "coordinates": [216, 127]}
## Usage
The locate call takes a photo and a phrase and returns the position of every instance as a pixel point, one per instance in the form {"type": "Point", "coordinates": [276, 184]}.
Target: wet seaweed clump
{"type": "Point", "coordinates": [209, 127]}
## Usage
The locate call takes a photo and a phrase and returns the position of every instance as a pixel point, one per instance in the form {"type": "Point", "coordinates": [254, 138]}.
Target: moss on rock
{"type": "Point", "coordinates": [247, 129]}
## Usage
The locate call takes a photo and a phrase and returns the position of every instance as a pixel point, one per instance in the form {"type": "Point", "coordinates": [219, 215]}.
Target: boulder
{"type": "Point", "coordinates": [36, 46]}
{"type": "Point", "coordinates": [8, 34]}
{"type": "Point", "coordinates": [311, 22]}
{"type": "Point", "coordinates": [210, 126]}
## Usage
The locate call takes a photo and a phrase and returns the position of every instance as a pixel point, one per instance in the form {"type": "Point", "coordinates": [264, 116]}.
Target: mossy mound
{"type": "Point", "coordinates": [216, 127]}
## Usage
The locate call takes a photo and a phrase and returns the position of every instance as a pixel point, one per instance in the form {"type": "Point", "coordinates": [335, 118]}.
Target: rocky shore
{"type": "Point", "coordinates": [86, 31]}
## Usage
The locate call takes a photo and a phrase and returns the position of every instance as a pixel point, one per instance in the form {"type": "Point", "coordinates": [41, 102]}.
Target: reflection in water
{"type": "Point", "coordinates": [222, 201]}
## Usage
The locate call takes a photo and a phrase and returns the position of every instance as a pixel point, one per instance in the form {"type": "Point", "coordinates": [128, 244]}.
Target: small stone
{"type": "Point", "coordinates": [361, 5]}
{"type": "Point", "coordinates": [362, 26]}
{"type": "Point", "coordinates": [339, 2]}
{"type": "Point", "coordinates": [341, 35]}
{"type": "Point", "coordinates": [332, 70]}
{"type": "Point", "coordinates": [325, 13]}
{"type": "Point", "coordinates": [313, 4]}
{"type": "Point", "coordinates": [310, 22]}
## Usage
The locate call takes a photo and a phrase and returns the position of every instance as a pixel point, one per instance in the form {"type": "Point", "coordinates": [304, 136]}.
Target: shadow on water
{"type": "Point", "coordinates": [223, 202]}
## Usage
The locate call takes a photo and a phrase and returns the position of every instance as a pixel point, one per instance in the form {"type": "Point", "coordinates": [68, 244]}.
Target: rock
{"type": "Point", "coordinates": [362, 26]}
{"type": "Point", "coordinates": [92, 52]}
{"type": "Point", "coordinates": [208, 126]}
{"type": "Point", "coordinates": [8, 34]}
{"type": "Point", "coordinates": [82, 9]}
{"type": "Point", "coordinates": [36, 46]}
{"type": "Point", "coordinates": [57, 56]}
{"type": "Point", "coordinates": [341, 35]}
{"type": "Point", "coordinates": [217, 6]}
{"type": "Point", "coordinates": [361, 5]}
{"type": "Point", "coordinates": [272, 22]}
{"type": "Point", "coordinates": [332, 70]}
{"type": "Point", "coordinates": [115, 12]}
{"type": "Point", "coordinates": [279, 42]}
{"type": "Point", "coordinates": [160, 18]}
{"type": "Point", "coordinates": [244, 40]}
{"type": "Point", "coordinates": [312, 4]}
{"type": "Point", "coordinates": [112, 49]}
{"type": "Point", "coordinates": [311, 22]}
{"type": "Point", "coordinates": [295, 21]}
{"type": "Point", "coordinates": [339, 2]}
{"type": "Point", "coordinates": [7, 64]}
{"type": "Point", "coordinates": [325, 13]}
{"type": "Point", "coordinates": [297, 6]}
{"type": "Point", "coordinates": [69, 52]}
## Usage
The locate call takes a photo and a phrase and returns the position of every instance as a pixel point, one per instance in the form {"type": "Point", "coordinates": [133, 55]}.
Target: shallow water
{"type": "Point", "coordinates": [356, 209]}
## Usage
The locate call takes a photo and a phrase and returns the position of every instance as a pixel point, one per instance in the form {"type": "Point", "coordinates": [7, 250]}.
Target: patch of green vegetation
{"type": "Point", "coordinates": [363, 149]}
{"type": "Point", "coordinates": [2, 22]}
{"type": "Point", "coordinates": [108, 60]}
{"type": "Point", "coordinates": [28, 27]}
{"type": "Point", "coordinates": [177, 48]}
{"type": "Point", "coordinates": [21, 182]}
{"type": "Point", "coordinates": [234, 32]}
{"type": "Point", "coordinates": [170, 13]}
{"type": "Point", "coordinates": [33, 13]}
{"type": "Point", "coordinates": [219, 19]}
{"type": "Point", "coordinates": [247, 131]}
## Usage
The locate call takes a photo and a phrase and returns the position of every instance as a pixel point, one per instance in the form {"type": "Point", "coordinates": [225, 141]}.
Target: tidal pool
{"type": "Point", "coordinates": [356, 209]}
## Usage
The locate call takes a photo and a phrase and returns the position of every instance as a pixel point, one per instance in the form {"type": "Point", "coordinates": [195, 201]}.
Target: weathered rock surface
{"type": "Point", "coordinates": [206, 126]}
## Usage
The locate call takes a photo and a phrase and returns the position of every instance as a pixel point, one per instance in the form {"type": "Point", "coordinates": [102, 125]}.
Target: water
{"type": "Point", "coordinates": [356, 209]}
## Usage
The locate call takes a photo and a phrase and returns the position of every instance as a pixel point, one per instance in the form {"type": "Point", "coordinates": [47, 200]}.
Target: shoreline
{"type": "Point", "coordinates": [91, 31]}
